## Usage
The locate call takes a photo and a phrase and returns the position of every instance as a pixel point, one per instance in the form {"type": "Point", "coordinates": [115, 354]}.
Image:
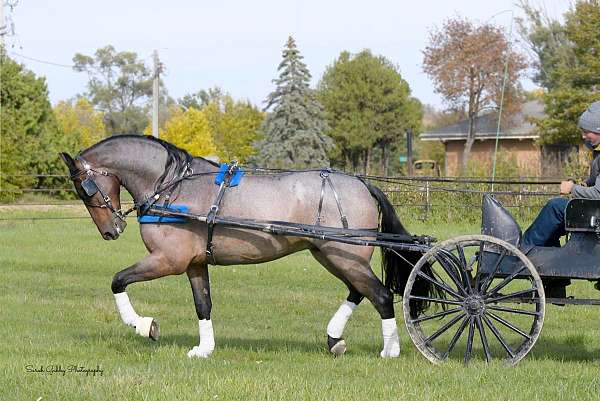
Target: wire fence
{"type": "Point", "coordinates": [431, 199]}
{"type": "Point", "coordinates": [448, 200]}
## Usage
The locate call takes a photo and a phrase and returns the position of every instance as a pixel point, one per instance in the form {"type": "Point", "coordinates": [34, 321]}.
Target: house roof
{"type": "Point", "coordinates": [487, 125]}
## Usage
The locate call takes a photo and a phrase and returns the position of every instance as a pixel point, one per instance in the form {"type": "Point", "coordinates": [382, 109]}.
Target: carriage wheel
{"type": "Point", "coordinates": [488, 301]}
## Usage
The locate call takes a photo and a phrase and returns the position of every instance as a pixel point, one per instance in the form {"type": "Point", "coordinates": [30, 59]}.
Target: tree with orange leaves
{"type": "Point", "coordinates": [467, 65]}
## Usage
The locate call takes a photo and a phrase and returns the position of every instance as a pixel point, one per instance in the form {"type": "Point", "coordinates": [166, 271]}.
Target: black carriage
{"type": "Point", "coordinates": [491, 294]}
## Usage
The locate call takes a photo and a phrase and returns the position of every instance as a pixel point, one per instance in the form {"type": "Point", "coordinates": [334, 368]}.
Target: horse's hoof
{"type": "Point", "coordinates": [154, 330]}
{"type": "Point", "coordinates": [199, 352]}
{"type": "Point", "coordinates": [147, 327]}
{"type": "Point", "coordinates": [337, 346]}
{"type": "Point", "coordinates": [391, 352]}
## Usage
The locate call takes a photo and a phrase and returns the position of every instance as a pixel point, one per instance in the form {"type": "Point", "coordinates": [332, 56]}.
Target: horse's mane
{"type": "Point", "coordinates": [176, 152]}
{"type": "Point", "coordinates": [172, 150]}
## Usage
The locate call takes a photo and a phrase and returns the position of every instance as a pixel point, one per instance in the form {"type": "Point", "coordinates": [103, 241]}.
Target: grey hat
{"type": "Point", "coordinates": [590, 119]}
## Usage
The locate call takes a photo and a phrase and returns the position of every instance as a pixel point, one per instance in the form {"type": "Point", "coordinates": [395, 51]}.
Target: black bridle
{"type": "Point", "coordinates": [91, 188]}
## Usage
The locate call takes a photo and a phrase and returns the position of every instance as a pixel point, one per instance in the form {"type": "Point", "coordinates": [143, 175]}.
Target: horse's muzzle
{"type": "Point", "coordinates": [119, 226]}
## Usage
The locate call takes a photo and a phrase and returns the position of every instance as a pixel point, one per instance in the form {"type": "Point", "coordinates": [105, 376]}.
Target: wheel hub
{"type": "Point", "coordinates": [474, 305]}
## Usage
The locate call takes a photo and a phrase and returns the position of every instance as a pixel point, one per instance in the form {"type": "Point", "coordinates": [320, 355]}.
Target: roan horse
{"type": "Point", "coordinates": [155, 171]}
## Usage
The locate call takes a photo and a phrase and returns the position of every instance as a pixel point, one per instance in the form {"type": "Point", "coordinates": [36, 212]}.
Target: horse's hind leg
{"type": "Point", "coordinates": [199, 280]}
{"type": "Point", "coordinates": [151, 267]}
{"type": "Point", "coordinates": [351, 265]}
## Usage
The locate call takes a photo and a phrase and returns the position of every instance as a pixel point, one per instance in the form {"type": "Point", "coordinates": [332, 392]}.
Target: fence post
{"type": "Point", "coordinates": [427, 205]}
{"type": "Point", "coordinates": [520, 198]}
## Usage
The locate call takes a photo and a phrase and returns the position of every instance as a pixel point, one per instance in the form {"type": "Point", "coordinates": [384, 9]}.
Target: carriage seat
{"type": "Point", "coordinates": [498, 222]}
{"type": "Point", "coordinates": [583, 215]}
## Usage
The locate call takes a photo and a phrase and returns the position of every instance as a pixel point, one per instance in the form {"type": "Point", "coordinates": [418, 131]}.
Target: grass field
{"type": "Point", "coordinates": [57, 310]}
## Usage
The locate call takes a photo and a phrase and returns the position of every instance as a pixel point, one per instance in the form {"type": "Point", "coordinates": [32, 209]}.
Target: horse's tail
{"type": "Point", "coordinates": [397, 265]}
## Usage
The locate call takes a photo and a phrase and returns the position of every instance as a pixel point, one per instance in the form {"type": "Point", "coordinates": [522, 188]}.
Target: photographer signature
{"type": "Point", "coordinates": [63, 370]}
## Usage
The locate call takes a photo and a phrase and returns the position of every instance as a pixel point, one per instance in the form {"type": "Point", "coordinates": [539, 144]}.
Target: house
{"type": "Point", "coordinates": [518, 139]}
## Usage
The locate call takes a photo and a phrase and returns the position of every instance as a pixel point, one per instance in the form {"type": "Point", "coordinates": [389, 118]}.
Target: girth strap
{"type": "Point", "coordinates": [325, 179]}
{"type": "Point", "coordinates": [214, 209]}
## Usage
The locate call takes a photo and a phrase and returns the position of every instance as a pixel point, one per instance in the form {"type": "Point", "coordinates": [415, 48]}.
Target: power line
{"type": "Point", "coordinates": [42, 61]}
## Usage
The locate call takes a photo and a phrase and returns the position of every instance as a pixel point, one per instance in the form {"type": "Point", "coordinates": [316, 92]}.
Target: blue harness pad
{"type": "Point", "coordinates": [235, 179]}
{"type": "Point", "coordinates": [149, 218]}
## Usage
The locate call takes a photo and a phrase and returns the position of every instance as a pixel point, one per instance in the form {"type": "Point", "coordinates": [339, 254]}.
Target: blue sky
{"type": "Point", "coordinates": [237, 44]}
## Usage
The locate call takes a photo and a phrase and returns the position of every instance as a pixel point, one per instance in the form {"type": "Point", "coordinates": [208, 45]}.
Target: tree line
{"type": "Point", "coordinates": [356, 118]}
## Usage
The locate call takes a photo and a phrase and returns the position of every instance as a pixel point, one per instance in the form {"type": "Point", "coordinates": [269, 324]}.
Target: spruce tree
{"type": "Point", "coordinates": [294, 129]}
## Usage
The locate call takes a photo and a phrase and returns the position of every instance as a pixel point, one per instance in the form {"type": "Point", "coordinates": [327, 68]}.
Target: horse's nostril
{"type": "Point", "coordinates": [108, 235]}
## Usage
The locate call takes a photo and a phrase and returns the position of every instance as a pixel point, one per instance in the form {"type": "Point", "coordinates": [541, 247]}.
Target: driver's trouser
{"type": "Point", "coordinates": [548, 226]}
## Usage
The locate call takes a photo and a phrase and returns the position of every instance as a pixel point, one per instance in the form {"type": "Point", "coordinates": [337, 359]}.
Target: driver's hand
{"type": "Point", "coordinates": [566, 187]}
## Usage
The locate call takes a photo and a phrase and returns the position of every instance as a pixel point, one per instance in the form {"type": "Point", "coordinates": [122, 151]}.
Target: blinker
{"type": "Point", "coordinates": [89, 186]}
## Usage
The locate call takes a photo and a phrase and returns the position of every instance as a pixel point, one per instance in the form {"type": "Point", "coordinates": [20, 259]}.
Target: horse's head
{"type": "Point", "coordinates": [100, 192]}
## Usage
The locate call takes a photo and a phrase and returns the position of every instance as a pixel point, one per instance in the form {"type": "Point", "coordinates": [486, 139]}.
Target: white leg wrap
{"type": "Point", "coordinates": [125, 309]}
{"type": "Point", "coordinates": [391, 340]}
{"type": "Point", "coordinates": [207, 340]}
{"type": "Point", "coordinates": [335, 328]}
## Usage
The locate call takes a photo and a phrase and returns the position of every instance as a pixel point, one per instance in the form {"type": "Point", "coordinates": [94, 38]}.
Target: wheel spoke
{"type": "Point", "coordinates": [456, 337]}
{"type": "Point", "coordinates": [507, 280]}
{"type": "Point", "coordinates": [479, 258]}
{"type": "Point", "coordinates": [470, 340]}
{"type": "Point", "coordinates": [484, 342]}
{"type": "Point", "coordinates": [512, 295]}
{"type": "Point", "coordinates": [490, 278]}
{"type": "Point", "coordinates": [442, 329]}
{"type": "Point", "coordinates": [436, 315]}
{"type": "Point", "coordinates": [461, 255]}
{"type": "Point", "coordinates": [435, 300]}
{"type": "Point", "coordinates": [512, 310]}
{"type": "Point", "coordinates": [440, 284]}
{"type": "Point", "coordinates": [498, 336]}
{"type": "Point", "coordinates": [463, 267]}
{"type": "Point", "coordinates": [509, 325]}
{"type": "Point", "coordinates": [446, 257]}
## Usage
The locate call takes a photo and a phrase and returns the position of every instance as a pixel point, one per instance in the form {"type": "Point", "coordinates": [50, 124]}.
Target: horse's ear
{"type": "Point", "coordinates": [68, 161]}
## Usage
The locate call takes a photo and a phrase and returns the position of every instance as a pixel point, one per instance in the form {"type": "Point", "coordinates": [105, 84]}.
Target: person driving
{"type": "Point", "coordinates": [549, 225]}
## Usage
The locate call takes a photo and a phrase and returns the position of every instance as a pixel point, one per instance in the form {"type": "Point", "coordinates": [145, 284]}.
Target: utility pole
{"type": "Point", "coordinates": [155, 94]}
{"type": "Point", "coordinates": [409, 151]}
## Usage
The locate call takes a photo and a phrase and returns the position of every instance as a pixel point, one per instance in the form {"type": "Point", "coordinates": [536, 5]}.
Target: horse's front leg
{"type": "Point", "coordinates": [153, 266]}
{"type": "Point", "coordinates": [198, 275]}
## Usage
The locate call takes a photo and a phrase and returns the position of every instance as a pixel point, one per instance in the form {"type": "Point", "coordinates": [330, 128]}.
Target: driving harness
{"type": "Point", "coordinates": [325, 179]}
{"type": "Point", "coordinates": [228, 176]}
{"type": "Point", "coordinates": [231, 175]}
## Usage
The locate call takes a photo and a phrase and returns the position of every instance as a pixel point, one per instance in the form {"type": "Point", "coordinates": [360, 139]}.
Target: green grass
{"type": "Point", "coordinates": [56, 308]}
